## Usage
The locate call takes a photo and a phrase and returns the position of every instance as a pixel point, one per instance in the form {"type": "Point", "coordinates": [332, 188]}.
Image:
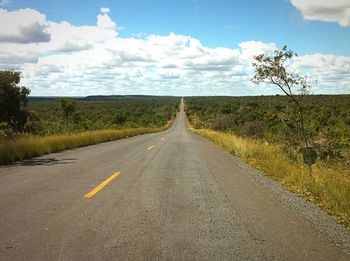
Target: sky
{"type": "Point", "coordinates": [171, 47]}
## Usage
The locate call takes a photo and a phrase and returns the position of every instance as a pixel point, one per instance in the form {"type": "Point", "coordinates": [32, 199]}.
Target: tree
{"type": "Point", "coordinates": [67, 106]}
{"type": "Point", "coordinates": [34, 124]}
{"type": "Point", "coordinates": [272, 69]}
{"type": "Point", "coordinates": [13, 100]}
{"type": "Point", "coordinates": [119, 117]}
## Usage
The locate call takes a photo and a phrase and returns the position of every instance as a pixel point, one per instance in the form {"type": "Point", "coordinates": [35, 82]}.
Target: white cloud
{"type": "Point", "coordinates": [5, 2]}
{"type": "Point", "coordinates": [105, 10]}
{"type": "Point", "coordinates": [84, 60]}
{"type": "Point", "coordinates": [23, 26]}
{"type": "Point", "coordinates": [253, 48]}
{"type": "Point", "coordinates": [67, 37]}
{"type": "Point", "coordinates": [325, 10]}
{"type": "Point", "coordinates": [104, 21]}
{"type": "Point", "coordinates": [11, 59]}
{"type": "Point", "coordinates": [331, 72]}
{"type": "Point", "coordinates": [20, 40]}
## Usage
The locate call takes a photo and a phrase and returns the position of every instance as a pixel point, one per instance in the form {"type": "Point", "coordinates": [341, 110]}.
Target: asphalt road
{"type": "Point", "coordinates": [174, 196]}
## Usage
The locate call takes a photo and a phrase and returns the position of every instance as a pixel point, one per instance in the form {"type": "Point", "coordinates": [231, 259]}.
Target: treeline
{"type": "Point", "coordinates": [268, 118]}
{"type": "Point", "coordinates": [33, 126]}
{"type": "Point", "coordinates": [48, 116]}
{"type": "Point", "coordinates": [22, 115]}
{"type": "Point", "coordinates": [54, 116]}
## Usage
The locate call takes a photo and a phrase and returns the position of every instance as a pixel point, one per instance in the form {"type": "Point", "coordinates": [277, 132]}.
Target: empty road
{"type": "Point", "coordinates": [163, 196]}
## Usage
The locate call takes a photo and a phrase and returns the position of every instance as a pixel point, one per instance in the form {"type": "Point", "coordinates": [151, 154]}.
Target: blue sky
{"type": "Point", "coordinates": [216, 23]}
{"type": "Point", "coordinates": [320, 36]}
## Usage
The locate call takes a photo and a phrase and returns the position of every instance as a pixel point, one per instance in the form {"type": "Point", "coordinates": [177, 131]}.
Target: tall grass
{"type": "Point", "coordinates": [29, 146]}
{"type": "Point", "coordinates": [326, 185]}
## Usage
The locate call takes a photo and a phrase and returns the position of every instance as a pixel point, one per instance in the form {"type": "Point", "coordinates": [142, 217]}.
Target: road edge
{"type": "Point", "coordinates": [318, 218]}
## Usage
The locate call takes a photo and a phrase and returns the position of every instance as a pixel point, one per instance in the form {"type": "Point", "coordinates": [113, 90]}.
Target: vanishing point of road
{"type": "Point", "coordinates": [162, 196]}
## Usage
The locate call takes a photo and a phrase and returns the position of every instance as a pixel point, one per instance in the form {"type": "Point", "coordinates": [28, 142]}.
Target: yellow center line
{"type": "Point", "coordinates": [150, 147]}
{"type": "Point", "coordinates": [162, 138]}
{"type": "Point", "coordinates": [99, 187]}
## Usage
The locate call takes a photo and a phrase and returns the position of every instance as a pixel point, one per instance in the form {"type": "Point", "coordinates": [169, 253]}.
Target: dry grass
{"type": "Point", "coordinates": [328, 186]}
{"type": "Point", "coordinates": [25, 147]}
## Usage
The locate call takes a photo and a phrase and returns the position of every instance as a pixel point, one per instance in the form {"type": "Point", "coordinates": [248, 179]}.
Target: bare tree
{"type": "Point", "coordinates": [273, 69]}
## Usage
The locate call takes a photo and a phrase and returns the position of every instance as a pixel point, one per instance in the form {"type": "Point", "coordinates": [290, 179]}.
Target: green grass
{"type": "Point", "coordinates": [327, 185]}
{"type": "Point", "coordinates": [29, 146]}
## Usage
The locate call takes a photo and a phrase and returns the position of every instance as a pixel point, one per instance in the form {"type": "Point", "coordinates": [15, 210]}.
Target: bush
{"type": "Point", "coordinates": [221, 122]}
{"type": "Point", "coordinates": [253, 129]}
{"type": "Point", "coordinates": [34, 124]}
{"type": "Point", "coordinates": [5, 131]}
{"type": "Point", "coordinates": [119, 118]}
{"type": "Point", "coordinates": [329, 151]}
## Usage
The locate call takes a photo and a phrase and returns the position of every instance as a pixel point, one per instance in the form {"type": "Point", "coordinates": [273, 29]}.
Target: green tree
{"type": "Point", "coordinates": [13, 100]}
{"type": "Point", "coordinates": [68, 106]}
{"type": "Point", "coordinates": [272, 69]}
{"type": "Point", "coordinates": [34, 124]}
{"type": "Point", "coordinates": [119, 117]}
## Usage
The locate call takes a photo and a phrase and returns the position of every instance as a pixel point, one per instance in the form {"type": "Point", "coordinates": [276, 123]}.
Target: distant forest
{"type": "Point", "coordinates": [52, 115]}
{"type": "Point", "coordinates": [267, 118]}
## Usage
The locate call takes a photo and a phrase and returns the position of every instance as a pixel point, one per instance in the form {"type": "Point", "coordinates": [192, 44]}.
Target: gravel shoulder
{"type": "Point", "coordinates": [320, 220]}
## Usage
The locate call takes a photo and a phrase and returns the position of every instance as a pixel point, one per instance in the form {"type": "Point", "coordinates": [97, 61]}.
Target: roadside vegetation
{"type": "Point", "coordinates": [28, 146]}
{"type": "Point", "coordinates": [303, 141]}
{"type": "Point", "coordinates": [35, 126]}
{"type": "Point", "coordinates": [261, 132]}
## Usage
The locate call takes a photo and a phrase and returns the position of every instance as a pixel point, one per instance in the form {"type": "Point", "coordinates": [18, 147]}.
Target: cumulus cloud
{"type": "Point", "coordinates": [104, 21]}
{"type": "Point", "coordinates": [11, 60]}
{"type": "Point", "coordinates": [29, 35]}
{"type": "Point", "coordinates": [325, 10]}
{"type": "Point", "coordinates": [84, 60]}
{"type": "Point", "coordinates": [253, 48]}
{"type": "Point", "coordinates": [331, 72]}
{"type": "Point", "coordinates": [67, 37]}
{"type": "Point", "coordinates": [23, 26]}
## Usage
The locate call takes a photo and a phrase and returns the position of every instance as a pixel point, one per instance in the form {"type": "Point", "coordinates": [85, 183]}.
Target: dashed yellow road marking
{"type": "Point", "coordinates": [99, 187]}
{"type": "Point", "coordinates": [150, 147]}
